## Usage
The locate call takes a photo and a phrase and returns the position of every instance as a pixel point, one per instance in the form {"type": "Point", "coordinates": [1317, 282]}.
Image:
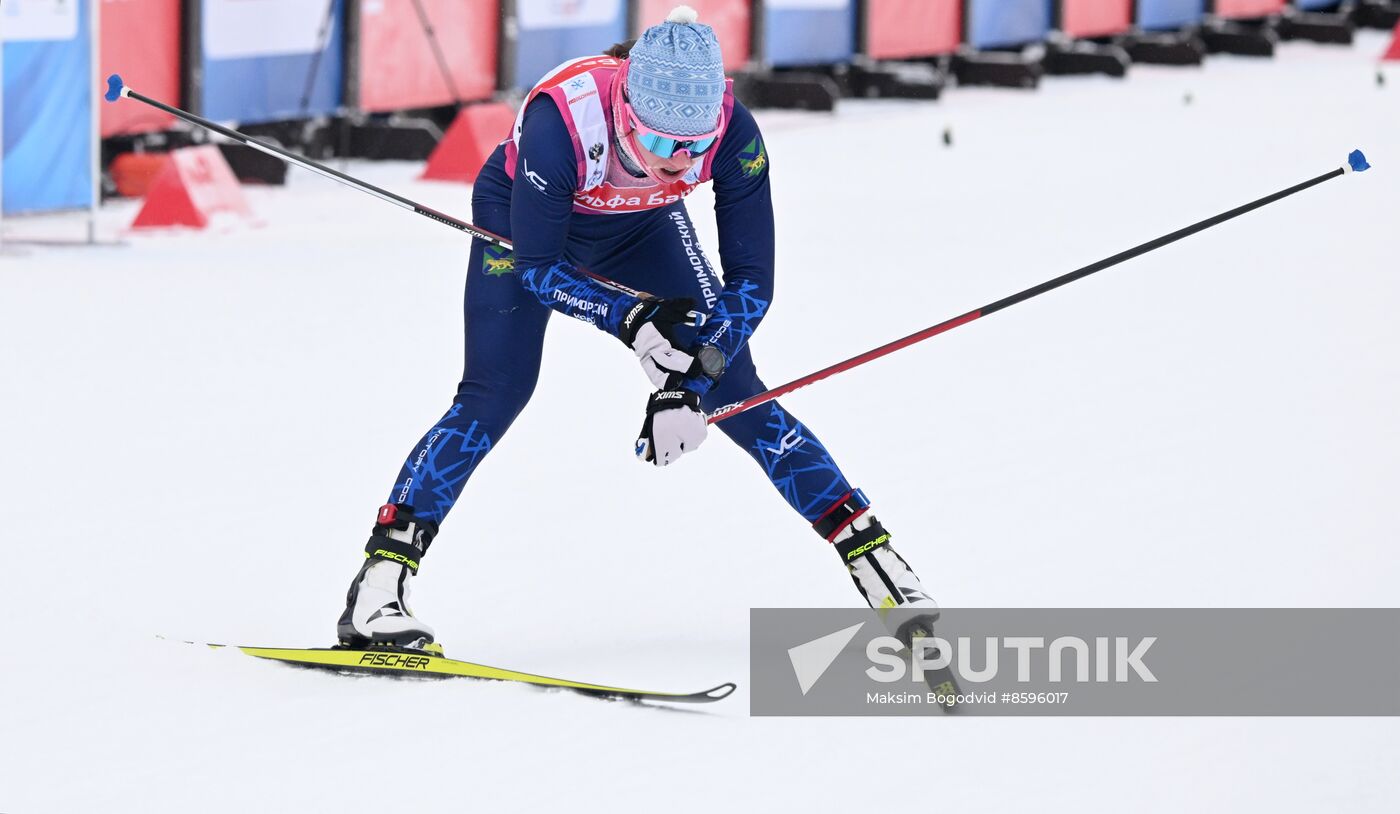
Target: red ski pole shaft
{"type": "Point", "coordinates": [1356, 162]}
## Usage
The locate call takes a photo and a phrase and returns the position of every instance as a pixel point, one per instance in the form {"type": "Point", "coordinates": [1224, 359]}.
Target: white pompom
{"type": "Point", "coordinates": [683, 14]}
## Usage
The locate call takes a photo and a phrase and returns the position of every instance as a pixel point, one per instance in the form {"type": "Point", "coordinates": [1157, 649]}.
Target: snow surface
{"type": "Point", "coordinates": [199, 427]}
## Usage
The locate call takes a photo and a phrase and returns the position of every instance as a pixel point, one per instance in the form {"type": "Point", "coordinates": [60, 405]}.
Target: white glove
{"type": "Point", "coordinates": [659, 357]}
{"type": "Point", "coordinates": [649, 330]}
{"type": "Point", "coordinates": [674, 426]}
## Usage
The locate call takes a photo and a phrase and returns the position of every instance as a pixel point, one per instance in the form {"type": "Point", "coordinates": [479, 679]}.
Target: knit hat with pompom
{"type": "Point", "coordinates": [675, 79]}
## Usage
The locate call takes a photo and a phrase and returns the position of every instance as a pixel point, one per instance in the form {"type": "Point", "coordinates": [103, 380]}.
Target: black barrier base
{"type": "Point", "coordinates": [1328, 28]}
{"type": "Point", "coordinates": [248, 164]}
{"type": "Point", "coordinates": [799, 90]}
{"type": "Point", "coordinates": [1255, 39]}
{"type": "Point", "coordinates": [312, 137]}
{"type": "Point", "coordinates": [1167, 48]}
{"type": "Point", "coordinates": [252, 165]}
{"type": "Point", "coordinates": [890, 80]}
{"type": "Point", "coordinates": [1378, 14]}
{"type": "Point", "coordinates": [397, 139]}
{"type": "Point", "coordinates": [1085, 57]}
{"type": "Point", "coordinates": [1000, 68]}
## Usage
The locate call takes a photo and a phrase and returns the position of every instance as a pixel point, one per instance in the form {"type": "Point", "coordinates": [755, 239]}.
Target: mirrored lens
{"type": "Point", "coordinates": [702, 146]}
{"type": "Point", "coordinates": [665, 147]}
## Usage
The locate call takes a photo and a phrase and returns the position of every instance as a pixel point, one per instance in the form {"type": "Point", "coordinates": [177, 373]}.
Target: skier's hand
{"type": "Point", "coordinates": [649, 330]}
{"type": "Point", "coordinates": [674, 426]}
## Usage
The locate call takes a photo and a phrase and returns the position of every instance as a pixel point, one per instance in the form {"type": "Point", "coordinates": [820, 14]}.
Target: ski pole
{"type": "Point", "coordinates": [117, 89]}
{"type": "Point", "coordinates": [1356, 162]}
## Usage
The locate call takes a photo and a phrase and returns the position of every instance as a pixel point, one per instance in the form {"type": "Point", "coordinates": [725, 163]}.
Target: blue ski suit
{"type": "Point", "coordinates": [510, 298]}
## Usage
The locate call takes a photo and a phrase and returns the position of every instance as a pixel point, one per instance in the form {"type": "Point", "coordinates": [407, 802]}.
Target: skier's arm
{"type": "Point", "coordinates": [744, 214]}
{"type": "Point", "coordinates": [541, 203]}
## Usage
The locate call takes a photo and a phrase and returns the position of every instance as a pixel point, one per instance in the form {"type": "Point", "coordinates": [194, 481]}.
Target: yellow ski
{"type": "Point", "coordinates": [431, 663]}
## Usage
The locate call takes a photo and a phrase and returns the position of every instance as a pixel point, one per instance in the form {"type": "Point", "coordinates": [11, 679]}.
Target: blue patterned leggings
{"type": "Point", "coordinates": [505, 328]}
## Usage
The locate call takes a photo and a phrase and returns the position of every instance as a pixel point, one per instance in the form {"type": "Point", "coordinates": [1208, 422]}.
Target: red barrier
{"type": "Point", "coordinates": [1248, 9]}
{"type": "Point", "coordinates": [397, 66]}
{"type": "Point", "coordinates": [195, 184]}
{"type": "Point", "coordinates": [1095, 18]}
{"type": "Point", "coordinates": [897, 29]}
{"type": "Point", "coordinates": [140, 41]}
{"type": "Point", "coordinates": [731, 20]}
{"type": "Point", "coordinates": [1394, 51]}
{"type": "Point", "coordinates": [470, 140]}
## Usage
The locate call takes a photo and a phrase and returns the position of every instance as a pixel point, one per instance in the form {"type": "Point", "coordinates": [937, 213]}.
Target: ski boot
{"type": "Point", "coordinates": [885, 580]}
{"type": "Point", "coordinates": [376, 607]}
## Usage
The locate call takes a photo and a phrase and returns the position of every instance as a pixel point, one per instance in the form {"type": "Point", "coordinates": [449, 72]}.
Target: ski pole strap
{"type": "Point", "coordinates": [863, 542]}
{"type": "Point", "coordinates": [841, 514]}
{"type": "Point", "coordinates": [400, 537]}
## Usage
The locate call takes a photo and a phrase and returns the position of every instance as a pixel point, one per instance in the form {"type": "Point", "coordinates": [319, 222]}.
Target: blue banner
{"type": "Point", "coordinates": [554, 32]}
{"type": "Point", "coordinates": [1167, 15]}
{"type": "Point", "coordinates": [257, 56]}
{"type": "Point", "coordinates": [1008, 23]}
{"type": "Point", "coordinates": [808, 32]}
{"type": "Point", "coordinates": [49, 81]}
{"type": "Point", "coordinates": [1317, 5]}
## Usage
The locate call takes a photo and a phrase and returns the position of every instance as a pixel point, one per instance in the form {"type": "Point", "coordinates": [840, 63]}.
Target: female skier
{"type": "Point", "coordinates": [603, 153]}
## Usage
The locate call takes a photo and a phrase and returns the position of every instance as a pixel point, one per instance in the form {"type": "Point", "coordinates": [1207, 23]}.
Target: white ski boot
{"type": "Point", "coordinates": [884, 579]}
{"type": "Point", "coordinates": [889, 585]}
{"type": "Point", "coordinates": [376, 608]}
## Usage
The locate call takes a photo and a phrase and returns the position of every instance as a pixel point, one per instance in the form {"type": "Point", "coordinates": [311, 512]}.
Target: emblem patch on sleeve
{"type": "Point", "coordinates": [753, 159]}
{"type": "Point", "coordinates": [496, 261]}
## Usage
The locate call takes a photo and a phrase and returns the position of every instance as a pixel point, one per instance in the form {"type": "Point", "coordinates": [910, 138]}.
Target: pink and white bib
{"type": "Point", "coordinates": [582, 89]}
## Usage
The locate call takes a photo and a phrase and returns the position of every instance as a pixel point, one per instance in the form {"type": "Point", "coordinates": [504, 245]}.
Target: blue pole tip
{"type": "Point", "coordinates": [1357, 160]}
{"type": "Point", "coordinates": [114, 87]}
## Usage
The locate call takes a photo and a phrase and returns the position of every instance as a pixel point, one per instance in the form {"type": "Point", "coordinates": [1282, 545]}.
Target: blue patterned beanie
{"type": "Point", "coordinates": [676, 77]}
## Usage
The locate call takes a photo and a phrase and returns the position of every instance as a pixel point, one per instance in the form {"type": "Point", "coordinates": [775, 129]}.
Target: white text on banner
{"type": "Point", "coordinates": [33, 20]}
{"type": "Point", "coordinates": [804, 5]}
{"type": "Point", "coordinates": [566, 13]}
{"type": "Point", "coordinates": [236, 29]}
